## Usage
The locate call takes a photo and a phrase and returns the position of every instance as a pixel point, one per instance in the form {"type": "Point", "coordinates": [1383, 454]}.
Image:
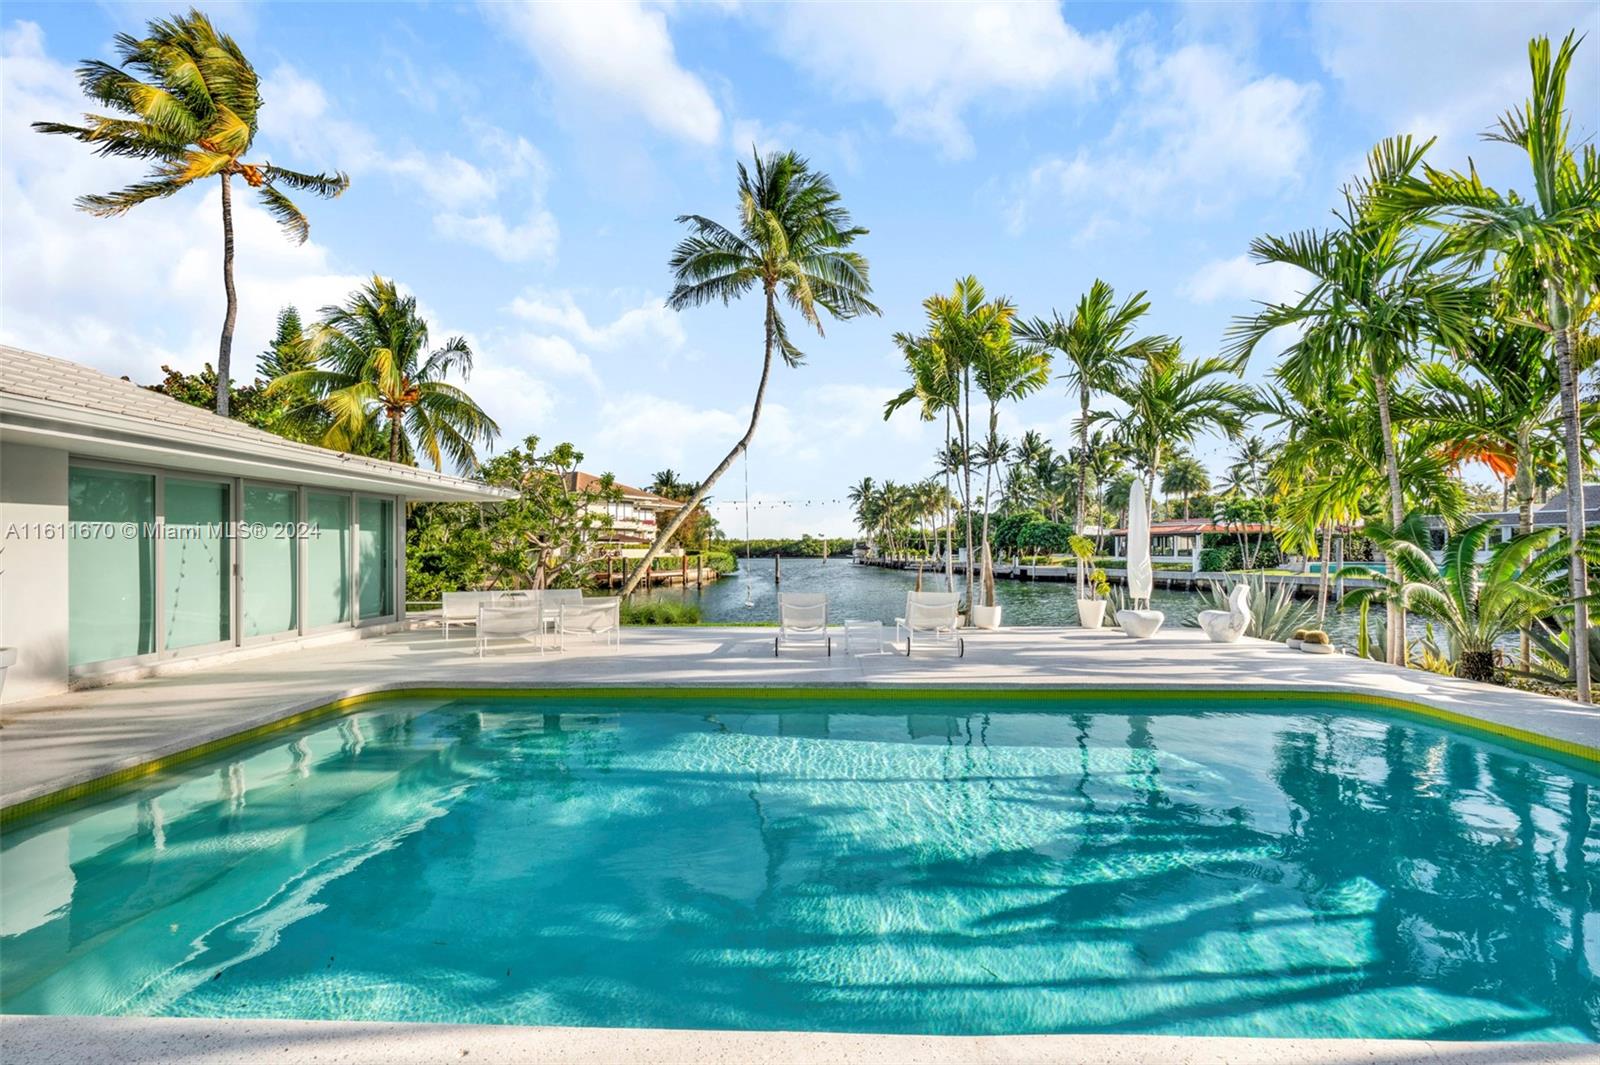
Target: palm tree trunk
{"type": "Point", "coordinates": [667, 531]}
{"type": "Point", "coordinates": [1572, 431]}
{"type": "Point", "coordinates": [988, 479]}
{"type": "Point", "coordinates": [394, 436]}
{"type": "Point", "coordinates": [1322, 581]}
{"type": "Point", "coordinates": [1523, 480]}
{"type": "Point", "coordinates": [966, 472]}
{"type": "Point", "coordinates": [949, 530]}
{"type": "Point", "coordinates": [1083, 474]}
{"type": "Point", "coordinates": [1396, 627]}
{"type": "Point", "coordinates": [225, 345]}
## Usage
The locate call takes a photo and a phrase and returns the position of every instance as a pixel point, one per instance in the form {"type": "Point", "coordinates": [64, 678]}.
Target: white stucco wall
{"type": "Point", "coordinates": [33, 569]}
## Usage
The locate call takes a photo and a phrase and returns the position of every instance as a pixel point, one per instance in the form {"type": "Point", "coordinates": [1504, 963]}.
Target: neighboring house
{"type": "Point", "coordinates": [634, 515]}
{"type": "Point", "coordinates": [1552, 512]}
{"type": "Point", "coordinates": [1181, 539]}
{"type": "Point", "coordinates": [139, 531]}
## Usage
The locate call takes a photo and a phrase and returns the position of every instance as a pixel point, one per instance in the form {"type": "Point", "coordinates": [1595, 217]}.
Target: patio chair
{"type": "Point", "coordinates": [600, 616]}
{"type": "Point", "coordinates": [554, 599]}
{"type": "Point", "coordinates": [933, 615]}
{"type": "Point", "coordinates": [802, 617]}
{"type": "Point", "coordinates": [461, 608]}
{"type": "Point", "coordinates": [1226, 626]}
{"type": "Point", "coordinates": [521, 621]}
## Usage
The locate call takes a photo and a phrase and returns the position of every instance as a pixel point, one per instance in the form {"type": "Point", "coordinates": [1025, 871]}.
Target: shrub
{"type": "Point", "coordinates": [1315, 636]}
{"type": "Point", "coordinates": [1219, 559]}
{"type": "Point", "coordinates": [660, 613]}
{"type": "Point", "coordinates": [1045, 537]}
{"type": "Point", "coordinates": [722, 562]}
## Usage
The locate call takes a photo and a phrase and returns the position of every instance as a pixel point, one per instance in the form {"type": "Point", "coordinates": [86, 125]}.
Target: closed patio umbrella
{"type": "Point", "coordinates": [1141, 577]}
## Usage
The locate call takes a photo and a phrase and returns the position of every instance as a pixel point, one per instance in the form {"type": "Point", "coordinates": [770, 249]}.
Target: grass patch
{"type": "Point", "coordinates": [660, 614]}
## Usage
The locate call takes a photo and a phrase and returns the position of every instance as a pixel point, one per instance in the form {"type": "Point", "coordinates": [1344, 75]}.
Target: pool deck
{"type": "Point", "coordinates": [53, 743]}
{"type": "Point", "coordinates": [50, 744]}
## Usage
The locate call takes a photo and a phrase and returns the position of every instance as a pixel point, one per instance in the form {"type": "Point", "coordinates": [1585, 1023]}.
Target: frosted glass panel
{"type": "Point", "coordinates": [327, 559]}
{"type": "Point", "coordinates": [376, 570]}
{"type": "Point", "coordinates": [270, 560]}
{"type": "Point", "coordinates": [111, 565]}
{"type": "Point", "coordinates": [197, 564]}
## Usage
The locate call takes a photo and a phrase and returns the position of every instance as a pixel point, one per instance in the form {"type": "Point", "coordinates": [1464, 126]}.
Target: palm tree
{"type": "Point", "coordinates": [936, 389]}
{"type": "Point", "coordinates": [1100, 351]}
{"type": "Point", "coordinates": [373, 365]}
{"type": "Point", "coordinates": [1548, 246]}
{"type": "Point", "coordinates": [1005, 370]}
{"type": "Point", "coordinates": [1249, 463]}
{"type": "Point", "coordinates": [1185, 476]}
{"type": "Point", "coordinates": [667, 483]}
{"type": "Point", "coordinates": [187, 100]}
{"type": "Point", "coordinates": [1172, 401]}
{"type": "Point", "coordinates": [1476, 603]}
{"type": "Point", "coordinates": [1376, 298]}
{"type": "Point", "coordinates": [793, 242]}
{"type": "Point", "coordinates": [861, 496]}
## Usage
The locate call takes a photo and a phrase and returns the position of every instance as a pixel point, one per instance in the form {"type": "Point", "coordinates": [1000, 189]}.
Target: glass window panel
{"type": "Point", "coordinates": [375, 573]}
{"type": "Point", "coordinates": [270, 560]}
{"type": "Point", "coordinates": [327, 559]}
{"type": "Point", "coordinates": [111, 565]}
{"type": "Point", "coordinates": [197, 563]}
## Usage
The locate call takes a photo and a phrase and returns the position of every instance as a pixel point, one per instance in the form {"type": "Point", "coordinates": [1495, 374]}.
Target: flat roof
{"type": "Point", "coordinates": [52, 402]}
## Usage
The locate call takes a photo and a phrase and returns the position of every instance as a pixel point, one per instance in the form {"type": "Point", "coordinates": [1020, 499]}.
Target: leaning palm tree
{"type": "Point", "coordinates": [375, 373]}
{"type": "Point", "coordinates": [187, 101]}
{"type": "Point", "coordinates": [1100, 350]}
{"type": "Point", "coordinates": [1377, 297]}
{"type": "Point", "coordinates": [1549, 245]}
{"type": "Point", "coordinates": [793, 242]}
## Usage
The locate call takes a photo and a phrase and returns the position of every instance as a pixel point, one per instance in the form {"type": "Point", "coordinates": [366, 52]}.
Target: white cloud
{"type": "Point", "coordinates": [928, 63]}
{"type": "Point", "coordinates": [1241, 278]}
{"type": "Point", "coordinates": [650, 322]}
{"type": "Point", "coordinates": [471, 201]}
{"type": "Point", "coordinates": [618, 54]}
{"type": "Point", "coordinates": [130, 293]}
{"type": "Point", "coordinates": [1197, 134]}
{"type": "Point", "coordinates": [1448, 70]}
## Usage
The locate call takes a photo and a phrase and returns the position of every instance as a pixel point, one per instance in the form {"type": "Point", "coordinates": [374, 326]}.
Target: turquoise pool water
{"type": "Point", "coordinates": [1296, 869]}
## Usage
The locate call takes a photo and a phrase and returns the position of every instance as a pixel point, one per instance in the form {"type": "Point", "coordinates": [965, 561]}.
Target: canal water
{"type": "Point", "coordinates": [871, 593]}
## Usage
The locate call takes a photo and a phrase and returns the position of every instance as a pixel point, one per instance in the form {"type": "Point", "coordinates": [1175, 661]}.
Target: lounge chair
{"type": "Point", "coordinates": [1226, 626]}
{"type": "Point", "coordinates": [599, 616]}
{"type": "Point", "coordinates": [802, 617]}
{"type": "Point", "coordinates": [521, 621]}
{"type": "Point", "coordinates": [461, 608]}
{"type": "Point", "coordinates": [935, 616]}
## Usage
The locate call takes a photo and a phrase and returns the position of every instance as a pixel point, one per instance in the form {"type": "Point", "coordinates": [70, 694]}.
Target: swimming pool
{"type": "Point", "coordinates": [952, 866]}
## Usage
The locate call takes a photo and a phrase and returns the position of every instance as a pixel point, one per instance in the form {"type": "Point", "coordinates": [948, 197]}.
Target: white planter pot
{"type": "Point", "coordinates": [1317, 648]}
{"type": "Point", "coordinates": [1091, 613]}
{"type": "Point", "coordinates": [8, 658]}
{"type": "Point", "coordinates": [1292, 644]}
{"type": "Point", "coordinates": [986, 617]}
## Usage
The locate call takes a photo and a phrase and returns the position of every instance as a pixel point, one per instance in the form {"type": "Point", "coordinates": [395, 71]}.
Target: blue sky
{"type": "Point", "coordinates": [519, 168]}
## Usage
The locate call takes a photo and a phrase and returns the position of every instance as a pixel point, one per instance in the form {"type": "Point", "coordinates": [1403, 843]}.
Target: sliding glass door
{"type": "Point", "coordinates": [375, 557]}
{"type": "Point", "coordinates": [197, 563]}
{"type": "Point", "coordinates": [111, 565]}
{"type": "Point", "coordinates": [270, 563]}
{"type": "Point", "coordinates": [327, 559]}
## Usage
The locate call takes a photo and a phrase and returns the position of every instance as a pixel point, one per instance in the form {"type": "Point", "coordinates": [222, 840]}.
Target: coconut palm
{"type": "Point", "coordinates": [1248, 465]}
{"type": "Point", "coordinates": [936, 383]}
{"type": "Point", "coordinates": [1547, 245]}
{"type": "Point", "coordinates": [375, 373]}
{"type": "Point", "coordinates": [1185, 476]}
{"type": "Point", "coordinates": [1377, 297]}
{"type": "Point", "coordinates": [1172, 401]}
{"type": "Point", "coordinates": [667, 483]}
{"type": "Point", "coordinates": [186, 100]}
{"type": "Point", "coordinates": [792, 242]}
{"type": "Point", "coordinates": [1005, 371]}
{"type": "Point", "coordinates": [1475, 603]}
{"type": "Point", "coordinates": [1099, 350]}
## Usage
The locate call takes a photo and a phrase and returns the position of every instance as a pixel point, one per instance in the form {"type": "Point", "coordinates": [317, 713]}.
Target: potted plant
{"type": "Point", "coordinates": [1092, 611]}
{"type": "Point", "coordinates": [1293, 642]}
{"type": "Point", "coordinates": [1316, 642]}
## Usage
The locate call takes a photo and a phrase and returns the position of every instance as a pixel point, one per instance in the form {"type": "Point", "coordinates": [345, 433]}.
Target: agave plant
{"type": "Point", "coordinates": [1274, 613]}
{"type": "Point", "coordinates": [1474, 603]}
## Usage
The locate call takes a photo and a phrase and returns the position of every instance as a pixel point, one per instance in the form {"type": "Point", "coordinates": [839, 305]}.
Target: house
{"type": "Point", "coordinates": [1181, 539]}
{"type": "Point", "coordinates": [635, 515]}
{"type": "Point", "coordinates": [140, 531]}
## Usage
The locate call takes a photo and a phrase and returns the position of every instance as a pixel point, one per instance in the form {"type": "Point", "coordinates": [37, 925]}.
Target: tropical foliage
{"type": "Point", "coordinates": [186, 100]}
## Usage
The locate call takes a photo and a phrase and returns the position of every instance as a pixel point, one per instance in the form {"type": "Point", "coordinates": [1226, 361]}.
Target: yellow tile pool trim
{"type": "Point", "coordinates": [350, 703]}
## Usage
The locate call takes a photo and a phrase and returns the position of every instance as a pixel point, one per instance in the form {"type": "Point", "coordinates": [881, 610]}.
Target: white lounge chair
{"type": "Point", "coordinates": [1226, 626]}
{"type": "Point", "coordinates": [598, 616]}
{"type": "Point", "coordinates": [933, 615]}
{"type": "Point", "coordinates": [521, 621]}
{"type": "Point", "coordinates": [461, 608]}
{"type": "Point", "coordinates": [802, 617]}
{"type": "Point", "coordinates": [554, 599]}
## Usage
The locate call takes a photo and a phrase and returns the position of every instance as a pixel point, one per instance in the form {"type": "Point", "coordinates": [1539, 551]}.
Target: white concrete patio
{"type": "Point", "coordinates": [52, 743]}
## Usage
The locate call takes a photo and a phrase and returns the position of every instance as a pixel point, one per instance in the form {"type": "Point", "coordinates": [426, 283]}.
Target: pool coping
{"type": "Point", "coordinates": [27, 803]}
{"type": "Point", "coordinates": [38, 1040]}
